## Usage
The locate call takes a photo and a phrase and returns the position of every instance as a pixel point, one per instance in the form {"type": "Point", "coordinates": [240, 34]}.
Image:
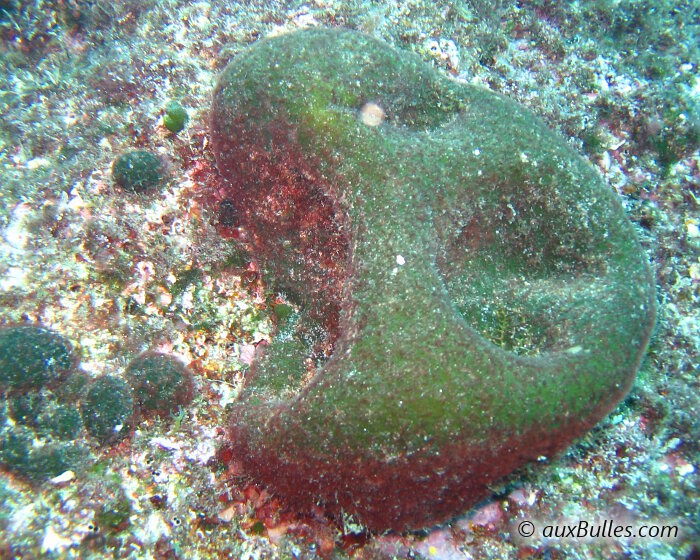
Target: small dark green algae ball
{"type": "Point", "coordinates": [161, 383]}
{"type": "Point", "coordinates": [19, 454]}
{"type": "Point", "coordinates": [40, 411]}
{"type": "Point", "coordinates": [138, 171]}
{"type": "Point", "coordinates": [175, 117]}
{"type": "Point", "coordinates": [25, 408]}
{"type": "Point", "coordinates": [32, 356]}
{"type": "Point", "coordinates": [60, 421]}
{"type": "Point", "coordinates": [108, 409]}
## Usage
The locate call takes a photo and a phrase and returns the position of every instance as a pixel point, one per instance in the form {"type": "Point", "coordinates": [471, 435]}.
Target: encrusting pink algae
{"type": "Point", "coordinates": [471, 295]}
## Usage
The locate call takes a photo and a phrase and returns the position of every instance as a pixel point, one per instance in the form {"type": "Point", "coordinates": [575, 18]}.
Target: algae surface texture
{"type": "Point", "coordinates": [482, 298]}
{"type": "Point", "coordinates": [31, 356]}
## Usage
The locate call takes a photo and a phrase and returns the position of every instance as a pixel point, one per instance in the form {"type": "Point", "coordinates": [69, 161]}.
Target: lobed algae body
{"type": "Point", "coordinates": [482, 294]}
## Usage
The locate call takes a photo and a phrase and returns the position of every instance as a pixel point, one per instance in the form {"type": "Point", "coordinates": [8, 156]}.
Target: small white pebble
{"type": "Point", "coordinates": [63, 478]}
{"type": "Point", "coordinates": [154, 528]}
{"type": "Point", "coordinates": [165, 299]}
{"type": "Point", "coordinates": [305, 20]}
{"type": "Point", "coordinates": [400, 260]}
{"type": "Point", "coordinates": [15, 278]}
{"type": "Point", "coordinates": [694, 271]}
{"type": "Point", "coordinates": [76, 201]}
{"type": "Point", "coordinates": [372, 114]}
{"type": "Point", "coordinates": [15, 233]}
{"type": "Point", "coordinates": [166, 444]}
{"type": "Point", "coordinates": [36, 163]}
{"type": "Point", "coordinates": [227, 515]}
{"type": "Point", "coordinates": [187, 301]}
{"type": "Point", "coordinates": [53, 542]}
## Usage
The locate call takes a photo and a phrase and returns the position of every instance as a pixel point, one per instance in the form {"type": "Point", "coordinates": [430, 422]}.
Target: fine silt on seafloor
{"type": "Point", "coordinates": [481, 297]}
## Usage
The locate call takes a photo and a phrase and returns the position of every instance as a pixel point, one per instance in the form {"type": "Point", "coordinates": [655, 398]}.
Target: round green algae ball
{"type": "Point", "coordinates": [138, 171]}
{"type": "Point", "coordinates": [55, 458]}
{"type": "Point", "coordinates": [60, 421]}
{"type": "Point", "coordinates": [161, 383]}
{"type": "Point", "coordinates": [26, 407]}
{"type": "Point", "coordinates": [19, 454]}
{"type": "Point", "coordinates": [40, 411]}
{"type": "Point", "coordinates": [15, 448]}
{"type": "Point", "coordinates": [108, 409]}
{"type": "Point", "coordinates": [175, 117]}
{"type": "Point", "coordinates": [32, 356]}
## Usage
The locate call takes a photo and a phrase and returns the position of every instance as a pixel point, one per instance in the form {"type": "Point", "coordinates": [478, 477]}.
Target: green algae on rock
{"type": "Point", "coordinates": [175, 117]}
{"type": "Point", "coordinates": [483, 292]}
{"type": "Point", "coordinates": [137, 171]}
{"type": "Point", "coordinates": [108, 409]}
{"type": "Point", "coordinates": [161, 383]}
{"type": "Point", "coordinates": [32, 356]}
{"type": "Point", "coordinates": [18, 453]}
{"type": "Point", "coordinates": [41, 441]}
